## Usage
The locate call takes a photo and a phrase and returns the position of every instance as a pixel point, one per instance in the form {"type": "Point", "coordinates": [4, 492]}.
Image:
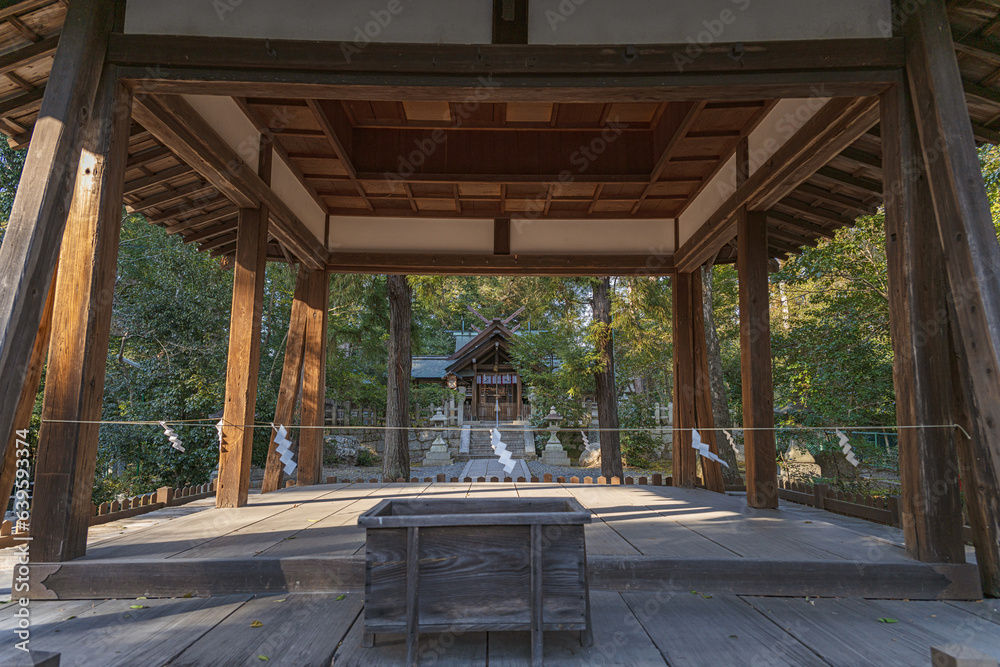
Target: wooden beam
{"type": "Point", "coordinates": [29, 394]}
{"type": "Point", "coordinates": [314, 381]}
{"type": "Point", "coordinates": [834, 127]}
{"type": "Point", "coordinates": [244, 358]}
{"type": "Point", "coordinates": [81, 322]}
{"type": "Point", "coordinates": [466, 264]}
{"type": "Point", "coordinates": [501, 236]}
{"type": "Point", "coordinates": [291, 378]}
{"type": "Point", "coordinates": [674, 125]}
{"type": "Point", "coordinates": [37, 221]}
{"type": "Point", "coordinates": [34, 52]}
{"type": "Point", "coordinates": [685, 417]}
{"type": "Point", "coordinates": [213, 54]}
{"type": "Point", "coordinates": [930, 503]}
{"type": "Point", "coordinates": [968, 238]}
{"type": "Point", "coordinates": [175, 124]}
{"type": "Point", "coordinates": [755, 361]}
{"type": "Point", "coordinates": [510, 21]}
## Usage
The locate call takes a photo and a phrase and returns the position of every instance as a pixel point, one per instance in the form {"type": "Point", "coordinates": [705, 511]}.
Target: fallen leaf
{"type": "Point", "coordinates": [707, 597]}
{"type": "Point", "coordinates": [887, 620]}
{"type": "Point", "coordinates": [312, 520]}
{"type": "Point", "coordinates": [188, 595]}
{"type": "Point", "coordinates": [264, 658]}
{"type": "Point", "coordinates": [71, 618]}
{"type": "Point", "coordinates": [137, 606]}
{"type": "Point", "coordinates": [694, 592]}
{"type": "Point", "coordinates": [281, 600]}
{"type": "Point", "coordinates": [256, 624]}
{"type": "Point", "coordinates": [341, 597]}
{"type": "Point", "coordinates": [733, 637]}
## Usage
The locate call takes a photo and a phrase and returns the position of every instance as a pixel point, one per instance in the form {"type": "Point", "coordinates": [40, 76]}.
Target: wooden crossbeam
{"type": "Point", "coordinates": [175, 124]}
{"type": "Point", "coordinates": [213, 231]}
{"type": "Point", "coordinates": [461, 264]}
{"type": "Point", "coordinates": [820, 214]}
{"type": "Point", "coordinates": [804, 225]}
{"type": "Point", "coordinates": [28, 54]}
{"type": "Point", "coordinates": [138, 184]}
{"type": "Point", "coordinates": [200, 221]}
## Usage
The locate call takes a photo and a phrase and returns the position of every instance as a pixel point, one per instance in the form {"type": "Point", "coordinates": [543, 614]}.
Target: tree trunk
{"type": "Point", "coordinates": [396, 460]}
{"type": "Point", "coordinates": [607, 396]}
{"type": "Point", "coordinates": [717, 381]}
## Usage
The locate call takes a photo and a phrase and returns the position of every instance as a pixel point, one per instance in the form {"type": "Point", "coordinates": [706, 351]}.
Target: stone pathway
{"type": "Point", "coordinates": [488, 468]}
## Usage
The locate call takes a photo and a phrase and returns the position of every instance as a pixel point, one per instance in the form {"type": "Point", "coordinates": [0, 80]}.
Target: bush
{"type": "Point", "coordinates": [639, 448]}
{"type": "Point", "coordinates": [367, 458]}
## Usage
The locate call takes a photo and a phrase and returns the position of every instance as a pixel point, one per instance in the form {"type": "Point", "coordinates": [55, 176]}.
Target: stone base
{"type": "Point", "coordinates": [555, 456]}
{"type": "Point", "coordinates": [438, 456]}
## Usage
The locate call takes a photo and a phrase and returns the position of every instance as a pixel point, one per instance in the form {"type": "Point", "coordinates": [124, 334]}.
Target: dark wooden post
{"type": "Point", "coordinates": [396, 462]}
{"type": "Point", "coordinates": [81, 322]}
{"type": "Point", "coordinates": [685, 461]}
{"type": "Point", "coordinates": [755, 358]}
{"type": "Point", "coordinates": [29, 392]}
{"type": "Point", "coordinates": [971, 256]}
{"type": "Point", "coordinates": [291, 378]}
{"type": "Point", "coordinates": [314, 381]}
{"type": "Point", "coordinates": [35, 229]}
{"type": "Point", "coordinates": [604, 381]}
{"type": "Point", "coordinates": [244, 358]}
{"type": "Point", "coordinates": [930, 505]}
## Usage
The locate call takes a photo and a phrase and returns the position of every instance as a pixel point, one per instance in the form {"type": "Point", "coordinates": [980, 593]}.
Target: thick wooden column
{"type": "Point", "coordinates": [310, 469]}
{"type": "Point", "coordinates": [81, 321]}
{"type": "Point", "coordinates": [692, 394]}
{"type": "Point", "coordinates": [930, 505]}
{"type": "Point", "coordinates": [755, 361]}
{"type": "Point", "coordinates": [244, 357]}
{"type": "Point", "coordinates": [35, 229]}
{"type": "Point", "coordinates": [291, 378]}
{"type": "Point", "coordinates": [26, 402]}
{"type": "Point", "coordinates": [704, 415]}
{"type": "Point", "coordinates": [685, 461]}
{"type": "Point", "coordinates": [971, 257]}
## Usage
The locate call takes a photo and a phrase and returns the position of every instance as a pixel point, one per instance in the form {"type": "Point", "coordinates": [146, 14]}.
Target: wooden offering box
{"type": "Point", "coordinates": [473, 565]}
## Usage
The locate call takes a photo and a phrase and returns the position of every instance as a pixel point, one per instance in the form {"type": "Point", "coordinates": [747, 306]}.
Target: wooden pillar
{"type": "Point", "coordinates": [685, 461]}
{"type": "Point", "coordinates": [692, 394]}
{"type": "Point", "coordinates": [475, 391]}
{"type": "Point", "coordinates": [81, 321]}
{"type": "Point", "coordinates": [704, 415]}
{"type": "Point", "coordinates": [755, 361]}
{"type": "Point", "coordinates": [310, 470]}
{"type": "Point", "coordinates": [291, 379]}
{"type": "Point", "coordinates": [29, 392]}
{"type": "Point", "coordinates": [37, 222]}
{"type": "Point", "coordinates": [520, 390]}
{"type": "Point", "coordinates": [244, 357]}
{"type": "Point", "coordinates": [972, 260]}
{"type": "Point", "coordinates": [930, 504]}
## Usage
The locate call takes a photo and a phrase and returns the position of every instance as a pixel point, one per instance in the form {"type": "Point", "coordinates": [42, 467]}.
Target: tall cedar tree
{"type": "Point", "coordinates": [604, 376]}
{"type": "Point", "coordinates": [396, 463]}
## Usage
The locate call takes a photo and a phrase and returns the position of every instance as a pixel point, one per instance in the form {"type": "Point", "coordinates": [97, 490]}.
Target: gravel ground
{"type": "Point", "coordinates": [537, 469]}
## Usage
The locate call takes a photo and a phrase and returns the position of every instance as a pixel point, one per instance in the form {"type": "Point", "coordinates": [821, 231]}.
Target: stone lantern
{"type": "Point", "coordinates": [554, 454]}
{"type": "Point", "coordinates": [439, 454]}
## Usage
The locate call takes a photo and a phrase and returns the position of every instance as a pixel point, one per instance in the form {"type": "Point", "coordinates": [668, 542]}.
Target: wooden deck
{"type": "Point", "coordinates": [678, 577]}
{"type": "Point", "coordinates": [306, 540]}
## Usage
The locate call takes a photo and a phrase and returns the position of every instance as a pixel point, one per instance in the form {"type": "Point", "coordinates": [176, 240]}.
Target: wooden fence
{"type": "Point", "coordinates": [123, 509]}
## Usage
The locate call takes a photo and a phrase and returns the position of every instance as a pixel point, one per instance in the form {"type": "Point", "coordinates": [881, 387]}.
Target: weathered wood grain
{"type": "Point", "coordinates": [685, 458]}
{"type": "Point", "coordinates": [310, 457]}
{"type": "Point", "coordinates": [299, 630]}
{"type": "Point", "coordinates": [81, 322]}
{"type": "Point", "coordinates": [34, 232]}
{"type": "Point", "coordinates": [244, 360]}
{"type": "Point", "coordinates": [454, 648]}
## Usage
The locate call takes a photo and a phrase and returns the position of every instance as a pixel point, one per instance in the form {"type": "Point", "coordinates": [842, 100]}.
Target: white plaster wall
{"type": "Point", "coordinates": [703, 21]}
{"type": "Point", "coordinates": [240, 134]}
{"type": "Point", "coordinates": [781, 124]}
{"type": "Point", "coordinates": [592, 237]}
{"type": "Point", "coordinates": [352, 21]}
{"type": "Point", "coordinates": [349, 234]}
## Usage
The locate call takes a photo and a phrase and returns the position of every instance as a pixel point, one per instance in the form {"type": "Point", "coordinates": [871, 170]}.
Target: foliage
{"type": "Point", "coordinates": [639, 448]}
{"type": "Point", "coordinates": [367, 458]}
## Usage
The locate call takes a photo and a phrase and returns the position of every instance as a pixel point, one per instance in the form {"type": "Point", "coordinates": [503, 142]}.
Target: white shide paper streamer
{"type": "Point", "coordinates": [175, 441]}
{"type": "Point", "coordinates": [702, 448]}
{"type": "Point", "coordinates": [500, 448]}
{"type": "Point", "coordinates": [845, 446]}
{"type": "Point", "coordinates": [284, 448]}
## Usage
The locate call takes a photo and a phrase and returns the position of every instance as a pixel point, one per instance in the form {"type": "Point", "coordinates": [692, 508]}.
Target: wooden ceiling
{"type": "Point", "coordinates": [497, 160]}
{"type": "Point", "coordinates": [487, 160]}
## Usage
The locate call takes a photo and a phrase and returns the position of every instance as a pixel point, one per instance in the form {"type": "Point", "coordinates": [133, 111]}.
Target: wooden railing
{"type": "Point", "coordinates": [123, 509]}
{"type": "Point", "coordinates": [880, 509]}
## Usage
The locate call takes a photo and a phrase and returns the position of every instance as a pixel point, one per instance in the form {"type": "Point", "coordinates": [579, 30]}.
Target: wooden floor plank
{"type": "Point", "coordinates": [456, 649]}
{"type": "Point", "coordinates": [165, 539]}
{"type": "Point", "coordinates": [722, 630]}
{"type": "Point", "coordinates": [619, 639]}
{"type": "Point", "coordinates": [493, 490]}
{"type": "Point", "coordinates": [938, 618]}
{"type": "Point", "coordinates": [339, 534]}
{"type": "Point", "coordinates": [267, 532]}
{"type": "Point", "coordinates": [113, 634]}
{"type": "Point", "coordinates": [645, 529]}
{"type": "Point", "coordinates": [296, 630]}
{"type": "Point", "coordinates": [848, 633]}
{"type": "Point", "coordinates": [988, 609]}
{"type": "Point", "coordinates": [45, 613]}
{"type": "Point", "coordinates": [601, 538]}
